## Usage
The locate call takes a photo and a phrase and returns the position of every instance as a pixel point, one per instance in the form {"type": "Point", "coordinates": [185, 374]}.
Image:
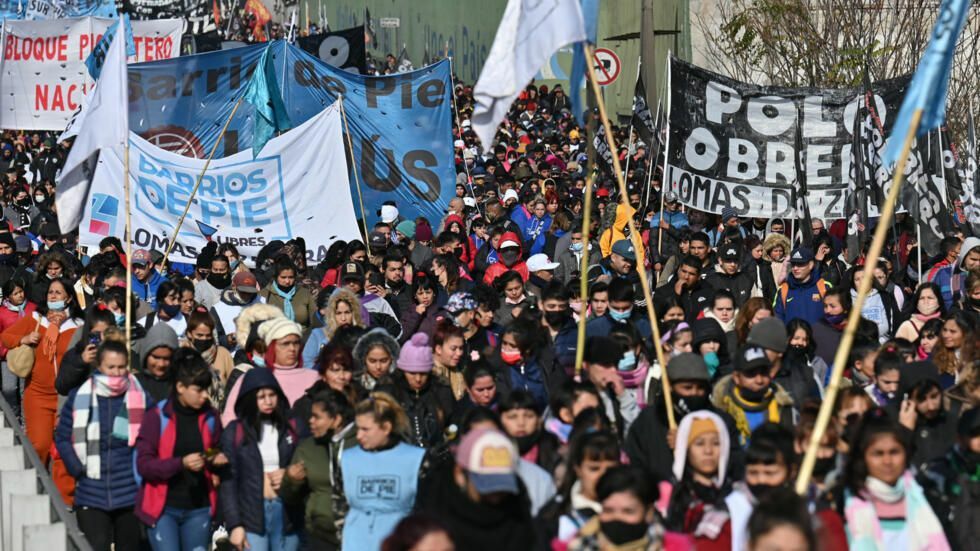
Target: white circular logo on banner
{"type": "Point", "coordinates": [335, 50]}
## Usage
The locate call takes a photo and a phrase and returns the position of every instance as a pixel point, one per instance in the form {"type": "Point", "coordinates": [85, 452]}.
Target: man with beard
{"type": "Point", "coordinates": [243, 293]}
{"type": "Point", "coordinates": [208, 291]}
{"type": "Point", "coordinates": [397, 293]}
{"type": "Point", "coordinates": [649, 441]}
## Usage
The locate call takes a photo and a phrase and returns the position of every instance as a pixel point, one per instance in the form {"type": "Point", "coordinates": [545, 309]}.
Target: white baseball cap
{"type": "Point", "coordinates": [540, 262]}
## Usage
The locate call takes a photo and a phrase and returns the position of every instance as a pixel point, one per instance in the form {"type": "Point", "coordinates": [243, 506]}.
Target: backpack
{"type": "Point", "coordinates": [822, 287]}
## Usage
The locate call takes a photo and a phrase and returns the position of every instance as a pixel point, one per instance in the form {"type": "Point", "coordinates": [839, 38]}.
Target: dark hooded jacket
{"type": "Point", "coordinates": [427, 408]}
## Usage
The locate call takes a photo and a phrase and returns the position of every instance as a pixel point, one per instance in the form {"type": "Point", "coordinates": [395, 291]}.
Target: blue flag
{"type": "Point", "coordinates": [590, 13]}
{"type": "Point", "coordinates": [928, 88]}
{"type": "Point", "coordinates": [95, 59]}
{"type": "Point", "coordinates": [270, 111]}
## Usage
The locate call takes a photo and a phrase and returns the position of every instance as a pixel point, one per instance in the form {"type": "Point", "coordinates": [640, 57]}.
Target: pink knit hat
{"type": "Point", "coordinates": [416, 355]}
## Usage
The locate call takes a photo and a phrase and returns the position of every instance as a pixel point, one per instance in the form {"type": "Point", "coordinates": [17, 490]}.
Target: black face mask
{"type": "Point", "coordinates": [824, 465]}
{"type": "Point", "coordinates": [286, 289]}
{"type": "Point", "coordinates": [557, 319]}
{"type": "Point", "coordinates": [753, 395]}
{"type": "Point", "coordinates": [219, 281]}
{"type": "Point", "coordinates": [760, 491]}
{"type": "Point", "coordinates": [619, 532]}
{"type": "Point", "coordinates": [525, 443]}
{"type": "Point", "coordinates": [971, 302]}
{"type": "Point", "coordinates": [8, 259]}
{"type": "Point", "coordinates": [203, 345]}
{"type": "Point", "coordinates": [509, 257]}
{"type": "Point", "coordinates": [686, 404]}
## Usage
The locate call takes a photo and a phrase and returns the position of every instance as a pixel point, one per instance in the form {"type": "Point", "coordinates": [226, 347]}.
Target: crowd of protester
{"type": "Point", "coordinates": [419, 390]}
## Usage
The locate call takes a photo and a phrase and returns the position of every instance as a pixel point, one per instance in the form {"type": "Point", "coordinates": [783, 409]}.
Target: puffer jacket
{"type": "Point", "coordinates": [116, 487]}
{"type": "Point", "coordinates": [496, 269]}
{"type": "Point", "coordinates": [427, 409]}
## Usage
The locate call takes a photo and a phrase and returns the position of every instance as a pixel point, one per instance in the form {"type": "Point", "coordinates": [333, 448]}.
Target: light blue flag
{"type": "Point", "coordinates": [928, 88]}
{"type": "Point", "coordinates": [590, 13]}
{"type": "Point", "coordinates": [96, 58]}
{"type": "Point", "coordinates": [270, 111]}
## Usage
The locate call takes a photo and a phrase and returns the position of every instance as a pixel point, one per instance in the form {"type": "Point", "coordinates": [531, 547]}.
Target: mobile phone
{"type": "Point", "coordinates": [95, 338]}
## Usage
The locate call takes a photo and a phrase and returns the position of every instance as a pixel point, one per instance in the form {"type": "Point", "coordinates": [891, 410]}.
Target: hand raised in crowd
{"type": "Point", "coordinates": [89, 354]}
{"type": "Point", "coordinates": [908, 415]}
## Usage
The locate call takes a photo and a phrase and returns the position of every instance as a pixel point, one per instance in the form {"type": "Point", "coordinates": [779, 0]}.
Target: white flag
{"type": "Point", "coordinates": [530, 32]}
{"type": "Point", "coordinates": [103, 123]}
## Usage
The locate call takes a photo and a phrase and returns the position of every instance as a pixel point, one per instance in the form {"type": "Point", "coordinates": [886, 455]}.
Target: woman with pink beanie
{"type": "Point", "coordinates": [283, 338]}
{"type": "Point", "coordinates": [426, 398]}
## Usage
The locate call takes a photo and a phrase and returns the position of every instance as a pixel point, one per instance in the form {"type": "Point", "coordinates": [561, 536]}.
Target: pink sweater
{"type": "Point", "coordinates": [294, 382]}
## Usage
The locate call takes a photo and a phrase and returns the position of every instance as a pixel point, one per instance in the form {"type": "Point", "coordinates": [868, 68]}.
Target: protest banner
{"type": "Point", "coordinates": [343, 49]}
{"type": "Point", "coordinates": [291, 190]}
{"type": "Point", "coordinates": [199, 14]}
{"type": "Point", "coordinates": [401, 125]}
{"type": "Point", "coordinates": [56, 9]}
{"type": "Point", "coordinates": [733, 144]}
{"type": "Point", "coordinates": [44, 75]}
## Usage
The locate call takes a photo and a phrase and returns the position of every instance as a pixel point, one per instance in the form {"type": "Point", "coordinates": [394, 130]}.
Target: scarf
{"type": "Point", "coordinates": [735, 405]}
{"type": "Point", "coordinates": [85, 423]}
{"type": "Point", "coordinates": [18, 309]}
{"type": "Point", "coordinates": [49, 341]}
{"type": "Point", "coordinates": [864, 528]}
{"type": "Point", "coordinates": [287, 300]}
{"type": "Point", "coordinates": [926, 317]}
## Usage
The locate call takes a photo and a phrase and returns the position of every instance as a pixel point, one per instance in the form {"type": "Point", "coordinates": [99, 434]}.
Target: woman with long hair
{"type": "Point", "coordinates": [200, 335]}
{"type": "Point", "coordinates": [259, 444]}
{"type": "Point", "coordinates": [884, 507]}
{"type": "Point", "coordinates": [926, 304]}
{"type": "Point", "coordinates": [956, 351]}
{"type": "Point", "coordinates": [421, 318]}
{"type": "Point", "coordinates": [803, 349]}
{"type": "Point", "coordinates": [49, 330]}
{"type": "Point", "coordinates": [754, 310]}
{"type": "Point", "coordinates": [15, 307]}
{"type": "Point", "coordinates": [374, 360]}
{"type": "Point", "coordinates": [338, 309]}
{"type": "Point", "coordinates": [376, 508]}
{"type": "Point", "coordinates": [283, 291]}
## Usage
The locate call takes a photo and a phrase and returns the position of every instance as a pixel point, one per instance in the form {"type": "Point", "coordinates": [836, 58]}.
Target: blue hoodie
{"type": "Point", "coordinates": [147, 292]}
{"type": "Point", "coordinates": [803, 300]}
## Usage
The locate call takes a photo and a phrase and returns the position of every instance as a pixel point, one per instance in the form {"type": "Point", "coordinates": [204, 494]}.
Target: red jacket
{"type": "Point", "coordinates": [9, 317]}
{"type": "Point", "coordinates": [498, 268]}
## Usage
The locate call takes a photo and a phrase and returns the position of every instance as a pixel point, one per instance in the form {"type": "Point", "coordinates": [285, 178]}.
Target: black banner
{"type": "Point", "coordinates": [734, 144]}
{"type": "Point", "coordinates": [199, 14]}
{"type": "Point", "coordinates": [642, 117]}
{"type": "Point", "coordinates": [343, 49]}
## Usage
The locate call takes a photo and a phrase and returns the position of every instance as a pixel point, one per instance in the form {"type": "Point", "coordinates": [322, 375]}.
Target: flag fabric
{"type": "Point", "coordinates": [931, 213]}
{"type": "Point", "coordinates": [805, 233]}
{"type": "Point", "coordinates": [261, 18]}
{"type": "Point", "coordinates": [291, 34]}
{"type": "Point", "coordinates": [270, 111]}
{"type": "Point", "coordinates": [643, 119]}
{"type": "Point", "coordinates": [856, 202]}
{"type": "Point", "coordinates": [927, 91]}
{"type": "Point", "coordinates": [369, 35]}
{"type": "Point", "coordinates": [101, 125]}
{"type": "Point", "coordinates": [96, 58]}
{"type": "Point", "coordinates": [601, 145]}
{"type": "Point", "coordinates": [576, 81]}
{"type": "Point", "coordinates": [530, 32]}
{"type": "Point", "coordinates": [949, 164]}
{"type": "Point", "coordinates": [970, 179]}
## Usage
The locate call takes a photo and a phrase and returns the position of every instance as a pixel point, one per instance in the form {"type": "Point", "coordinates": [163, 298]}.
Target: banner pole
{"type": "Point", "coordinates": [663, 181]}
{"type": "Point", "coordinates": [847, 339]}
{"type": "Point", "coordinates": [129, 255]}
{"type": "Point", "coordinates": [634, 236]}
{"type": "Point", "coordinates": [583, 275]}
{"type": "Point", "coordinates": [197, 184]}
{"type": "Point", "coordinates": [629, 147]}
{"type": "Point", "coordinates": [469, 179]}
{"type": "Point", "coordinates": [357, 180]}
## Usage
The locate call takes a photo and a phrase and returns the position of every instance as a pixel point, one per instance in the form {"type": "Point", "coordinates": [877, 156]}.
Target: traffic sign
{"type": "Point", "coordinates": [607, 66]}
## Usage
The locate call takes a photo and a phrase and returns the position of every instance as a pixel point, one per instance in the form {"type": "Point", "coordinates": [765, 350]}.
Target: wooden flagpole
{"type": "Point", "coordinates": [847, 339]}
{"type": "Point", "coordinates": [197, 184]}
{"type": "Point", "coordinates": [583, 275]}
{"type": "Point", "coordinates": [634, 235]}
{"type": "Point", "coordinates": [357, 180]}
{"type": "Point", "coordinates": [129, 254]}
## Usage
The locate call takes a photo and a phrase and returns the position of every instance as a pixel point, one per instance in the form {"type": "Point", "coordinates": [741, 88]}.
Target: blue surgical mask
{"type": "Point", "coordinates": [620, 316]}
{"type": "Point", "coordinates": [577, 247]}
{"type": "Point", "coordinates": [120, 318]}
{"type": "Point", "coordinates": [57, 305]}
{"type": "Point", "coordinates": [259, 361]}
{"type": "Point", "coordinates": [628, 361]}
{"type": "Point", "coordinates": [712, 360]}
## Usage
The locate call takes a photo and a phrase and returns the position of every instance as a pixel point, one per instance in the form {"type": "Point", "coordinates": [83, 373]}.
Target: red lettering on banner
{"type": "Point", "coordinates": [48, 48]}
{"type": "Point", "coordinates": [57, 97]}
{"type": "Point", "coordinates": [150, 48]}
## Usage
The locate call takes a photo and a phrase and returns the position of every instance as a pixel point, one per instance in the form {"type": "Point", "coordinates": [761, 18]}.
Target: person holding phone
{"type": "Point", "coordinates": [176, 455]}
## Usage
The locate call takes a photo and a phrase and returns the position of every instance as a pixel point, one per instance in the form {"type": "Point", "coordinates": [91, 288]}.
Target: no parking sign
{"type": "Point", "coordinates": [607, 66]}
